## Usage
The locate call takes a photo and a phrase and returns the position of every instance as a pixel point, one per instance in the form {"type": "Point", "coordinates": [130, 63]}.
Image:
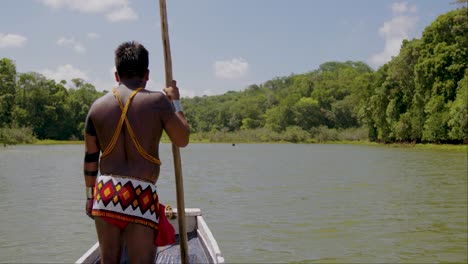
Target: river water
{"type": "Point", "coordinates": [264, 203]}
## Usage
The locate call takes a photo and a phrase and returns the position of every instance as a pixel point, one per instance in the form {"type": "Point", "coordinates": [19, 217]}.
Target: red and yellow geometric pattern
{"type": "Point", "coordinates": [127, 195]}
{"type": "Point", "coordinates": [126, 199]}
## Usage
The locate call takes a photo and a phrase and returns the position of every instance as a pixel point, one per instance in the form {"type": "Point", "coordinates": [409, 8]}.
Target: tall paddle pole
{"type": "Point", "coordinates": [184, 256]}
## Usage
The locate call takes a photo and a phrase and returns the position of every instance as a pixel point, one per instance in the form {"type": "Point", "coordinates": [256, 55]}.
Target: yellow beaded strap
{"type": "Point", "coordinates": [123, 118]}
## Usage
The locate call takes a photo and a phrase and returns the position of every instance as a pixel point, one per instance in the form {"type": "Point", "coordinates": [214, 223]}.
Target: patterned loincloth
{"type": "Point", "coordinates": [126, 199]}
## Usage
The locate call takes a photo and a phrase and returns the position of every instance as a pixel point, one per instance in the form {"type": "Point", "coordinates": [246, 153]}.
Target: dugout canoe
{"type": "Point", "coordinates": [202, 245]}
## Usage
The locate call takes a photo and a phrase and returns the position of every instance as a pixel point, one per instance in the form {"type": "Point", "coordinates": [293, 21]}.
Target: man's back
{"type": "Point", "coordinates": [147, 114]}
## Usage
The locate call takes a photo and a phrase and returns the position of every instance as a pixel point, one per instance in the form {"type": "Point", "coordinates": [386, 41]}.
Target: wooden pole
{"type": "Point", "coordinates": [184, 256]}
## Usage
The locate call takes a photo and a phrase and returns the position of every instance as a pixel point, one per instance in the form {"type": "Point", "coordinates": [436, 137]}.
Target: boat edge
{"type": "Point", "coordinates": [209, 242]}
{"type": "Point", "coordinates": [92, 253]}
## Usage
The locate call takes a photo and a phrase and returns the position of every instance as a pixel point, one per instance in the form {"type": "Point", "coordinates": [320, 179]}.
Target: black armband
{"type": "Point", "coordinates": [91, 157]}
{"type": "Point", "coordinates": [91, 173]}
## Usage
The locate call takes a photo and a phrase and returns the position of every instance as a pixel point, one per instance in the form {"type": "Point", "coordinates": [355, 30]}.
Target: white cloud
{"type": "Point", "coordinates": [11, 40]}
{"type": "Point", "coordinates": [87, 6]}
{"type": "Point", "coordinates": [402, 7]}
{"type": "Point", "coordinates": [115, 10]}
{"type": "Point", "coordinates": [122, 14]}
{"type": "Point", "coordinates": [394, 32]}
{"type": "Point", "coordinates": [71, 43]}
{"type": "Point", "coordinates": [102, 85]}
{"type": "Point", "coordinates": [65, 72]}
{"type": "Point", "coordinates": [53, 3]}
{"type": "Point", "coordinates": [231, 69]}
{"type": "Point", "coordinates": [92, 35]}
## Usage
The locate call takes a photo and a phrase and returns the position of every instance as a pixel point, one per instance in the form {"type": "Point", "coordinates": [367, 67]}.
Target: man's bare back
{"type": "Point", "coordinates": [147, 114]}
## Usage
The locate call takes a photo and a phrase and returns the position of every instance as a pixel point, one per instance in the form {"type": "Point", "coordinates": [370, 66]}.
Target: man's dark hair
{"type": "Point", "coordinates": [131, 60]}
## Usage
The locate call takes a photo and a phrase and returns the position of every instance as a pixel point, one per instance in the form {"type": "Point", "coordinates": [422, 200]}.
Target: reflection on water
{"type": "Point", "coordinates": [264, 203]}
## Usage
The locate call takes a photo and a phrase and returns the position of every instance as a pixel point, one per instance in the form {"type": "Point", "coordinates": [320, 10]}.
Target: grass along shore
{"type": "Point", "coordinates": [355, 136]}
{"type": "Point", "coordinates": [427, 146]}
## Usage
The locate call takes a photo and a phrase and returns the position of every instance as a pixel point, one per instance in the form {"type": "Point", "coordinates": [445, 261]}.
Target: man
{"type": "Point", "coordinates": [126, 126]}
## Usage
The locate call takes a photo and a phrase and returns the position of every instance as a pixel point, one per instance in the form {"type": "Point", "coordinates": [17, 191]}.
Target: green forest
{"type": "Point", "coordinates": [420, 96]}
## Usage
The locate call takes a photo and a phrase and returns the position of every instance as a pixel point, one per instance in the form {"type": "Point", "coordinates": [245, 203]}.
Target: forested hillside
{"type": "Point", "coordinates": [33, 106]}
{"type": "Point", "coordinates": [421, 95]}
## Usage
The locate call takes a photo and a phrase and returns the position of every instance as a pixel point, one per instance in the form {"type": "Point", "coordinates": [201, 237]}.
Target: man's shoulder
{"type": "Point", "coordinates": [155, 100]}
{"type": "Point", "coordinates": [101, 101]}
{"type": "Point", "coordinates": [106, 97]}
{"type": "Point", "coordinates": [155, 96]}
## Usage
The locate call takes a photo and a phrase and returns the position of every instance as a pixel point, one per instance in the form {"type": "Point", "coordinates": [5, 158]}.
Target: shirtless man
{"type": "Point", "coordinates": [124, 148]}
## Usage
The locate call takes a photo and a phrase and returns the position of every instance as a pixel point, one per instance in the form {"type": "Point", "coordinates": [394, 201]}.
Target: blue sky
{"type": "Point", "coordinates": [216, 45]}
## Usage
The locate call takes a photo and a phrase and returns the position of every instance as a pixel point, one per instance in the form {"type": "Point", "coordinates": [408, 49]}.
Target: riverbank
{"type": "Point", "coordinates": [56, 142]}
{"type": "Point", "coordinates": [439, 147]}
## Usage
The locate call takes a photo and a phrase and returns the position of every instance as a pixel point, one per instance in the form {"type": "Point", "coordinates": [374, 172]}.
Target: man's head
{"type": "Point", "coordinates": [131, 60]}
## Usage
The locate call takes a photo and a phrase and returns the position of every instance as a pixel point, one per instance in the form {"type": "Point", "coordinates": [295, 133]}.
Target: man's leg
{"type": "Point", "coordinates": [110, 241]}
{"type": "Point", "coordinates": [139, 240]}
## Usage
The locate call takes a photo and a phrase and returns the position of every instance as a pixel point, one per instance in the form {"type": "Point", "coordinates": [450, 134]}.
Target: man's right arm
{"type": "Point", "coordinates": [177, 127]}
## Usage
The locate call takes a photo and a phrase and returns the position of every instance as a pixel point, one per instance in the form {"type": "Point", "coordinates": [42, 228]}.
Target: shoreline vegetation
{"type": "Point", "coordinates": [428, 146]}
{"type": "Point", "coordinates": [321, 135]}
{"type": "Point", "coordinates": [199, 139]}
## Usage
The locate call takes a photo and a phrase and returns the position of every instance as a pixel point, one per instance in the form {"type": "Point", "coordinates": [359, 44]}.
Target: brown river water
{"type": "Point", "coordinates": [264, 203]}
